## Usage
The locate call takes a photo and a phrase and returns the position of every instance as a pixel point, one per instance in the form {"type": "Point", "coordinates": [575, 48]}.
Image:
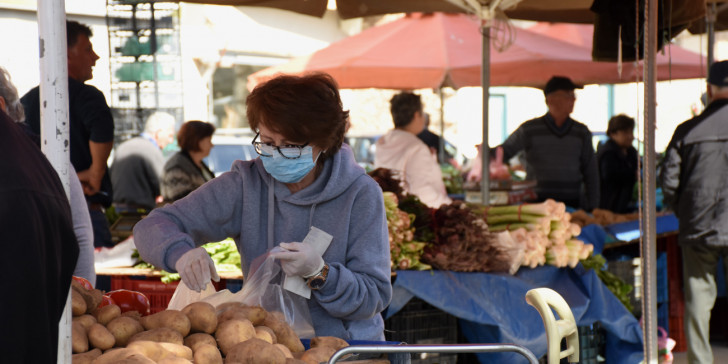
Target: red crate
{"type": "Point", "coordinates": [677, 333]}
{"type": "Point", "coordinates": [158, 292]}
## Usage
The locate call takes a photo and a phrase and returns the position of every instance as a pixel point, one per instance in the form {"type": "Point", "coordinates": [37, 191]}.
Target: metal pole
{"type": "Point", "coordinates": [485, 85]}
{"type": "Point", "coordinates": [54, 120]}
{"type": "Point", "coordinates": [648, 242]}
{"type": "Point", "coordinates": [441, 144]}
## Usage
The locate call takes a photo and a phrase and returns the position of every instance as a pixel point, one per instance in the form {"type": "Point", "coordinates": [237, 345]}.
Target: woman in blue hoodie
{"type": "Point", "coordinates": [305, 177]}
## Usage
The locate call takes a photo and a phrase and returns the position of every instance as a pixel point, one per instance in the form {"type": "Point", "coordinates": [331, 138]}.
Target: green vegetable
{"type": "Point", "coordinates": [224, 254]}
{"type": "Point", "coordinates": [616, 285]}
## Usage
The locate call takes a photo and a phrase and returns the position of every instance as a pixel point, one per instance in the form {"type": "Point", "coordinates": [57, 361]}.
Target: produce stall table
{"type": "Point", "coordinates": [491, 308]}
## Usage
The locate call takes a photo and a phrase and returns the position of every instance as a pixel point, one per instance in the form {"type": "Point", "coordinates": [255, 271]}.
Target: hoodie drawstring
{"type": "Point", "coordinates": [271, 213]}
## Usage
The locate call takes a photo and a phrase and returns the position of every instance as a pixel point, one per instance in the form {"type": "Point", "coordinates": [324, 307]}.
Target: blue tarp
{"type": "Point", "coordinates": [492, 308]}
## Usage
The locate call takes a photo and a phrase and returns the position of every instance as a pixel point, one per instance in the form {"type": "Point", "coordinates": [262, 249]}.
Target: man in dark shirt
{"type": "Point", "coordinates": [91, 127]}
{"type": "Point", "coordinates": [39, 249]}
{"type": "Point", "coordinates": [558, 150]}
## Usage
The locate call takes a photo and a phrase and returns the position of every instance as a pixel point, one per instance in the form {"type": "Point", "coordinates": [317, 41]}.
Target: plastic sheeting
{"type": "Point", "coordinates": [492, 308]}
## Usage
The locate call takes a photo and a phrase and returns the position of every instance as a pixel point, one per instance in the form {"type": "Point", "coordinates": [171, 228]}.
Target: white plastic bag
{"type": "Point", "coordinates": [183, 295]}
{"type": "Point", "coordinates": [264, 288]}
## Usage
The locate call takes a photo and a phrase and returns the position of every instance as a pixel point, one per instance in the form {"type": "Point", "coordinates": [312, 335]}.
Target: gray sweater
{"type": "Point", "coordinates": [343, 201]}
{"type": "Point", "coordinates": [561, 160]}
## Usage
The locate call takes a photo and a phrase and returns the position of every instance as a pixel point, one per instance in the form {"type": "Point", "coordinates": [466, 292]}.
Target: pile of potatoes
{"type": "Point", "coordinates": [200, 333]}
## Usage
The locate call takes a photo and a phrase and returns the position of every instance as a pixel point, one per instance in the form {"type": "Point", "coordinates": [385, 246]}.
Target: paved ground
{"type": "Point", "coordinates": [720, 353]}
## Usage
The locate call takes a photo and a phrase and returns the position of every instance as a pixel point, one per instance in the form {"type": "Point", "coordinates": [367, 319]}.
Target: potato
{"type": "Point", "coordinates": [159, 350]}
{"type": "Point", "coordinates": [123, 328]}
{"type": "Point", "coordinates": [287, 353]}
{"type": "Point", "coordinates": [266, 334]}
{"type": "Point", "coordinates": [232, 332]}
{"type": "Point", "coordinates": [163, 334]}
{"type": "Point", "coordinates": [207, 354]}
{"type": "Point", "coordinates": [105, 314]}
{"type": "Point", "coordinates": [202, 317]}
{"type": "Point", "coordinates": [174, 360]}
{"type": "Point", "coordinates": [92, 296]}
{"type": "Point", "coordinates": [100, 337]}
{"type": "Point", "coordinates": [133, 314]}
{"type": "Point", "coordinates": [172, 319]}
{"type": "Point", "coordinates": [318, 355]}
{"type": "Point", "coordinates": [294, 361]}
{"type": "Point", "coordinates": [284, 334]}
{"type": "Point", "coordinates": [255, 314]}
{"type": "Point", "coordinates": [79, 338]}
{"type": "Point", "coordinates": [199, 338]}
{"type": "Point", "coordinates": [255, 351]}
{"type": "Point", "coordinates": [123, 355]}
{"type": "Point", "coordinates": [85, 320]}
{"type": "Point", "coordinates": [178, 350]}
{"type": "Point", "coordinates": [86, 358]}
{"type": "Point", "coordinates": [78, 304]}
{"type": "Point", "coordinates": [330, 341]}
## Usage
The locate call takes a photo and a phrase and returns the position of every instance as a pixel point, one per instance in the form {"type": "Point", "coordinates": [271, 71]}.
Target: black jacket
{"type": "Point", "coordinates": [617, 176]}
{"type": "Point", "coordinates": [695, 176]}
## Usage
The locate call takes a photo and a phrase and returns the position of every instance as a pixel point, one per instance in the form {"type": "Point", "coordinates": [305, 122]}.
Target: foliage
{"type": "Point", "coordinates": [616, 285]}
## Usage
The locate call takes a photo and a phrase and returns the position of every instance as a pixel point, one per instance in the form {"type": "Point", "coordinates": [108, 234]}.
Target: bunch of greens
{"type": "Point", "coordinates": [224, 254]}
{"type": "Point", "coordinates": [452, 178]}
{"type": "Point", "coordinates": [405, 253]}
{"type": "Point", "coordinates": [616, 285]}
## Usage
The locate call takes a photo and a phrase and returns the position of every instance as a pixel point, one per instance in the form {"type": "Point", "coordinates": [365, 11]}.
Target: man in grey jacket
{"type": "Point", "coordinates": [693, 178]}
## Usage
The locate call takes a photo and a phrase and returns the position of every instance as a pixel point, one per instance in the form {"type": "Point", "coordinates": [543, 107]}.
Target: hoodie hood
{"type": "Point", "coordinates": [338, 173]}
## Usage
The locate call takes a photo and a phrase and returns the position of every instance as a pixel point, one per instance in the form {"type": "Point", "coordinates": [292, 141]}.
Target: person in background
{"type": "Point", "coordinates": [617, 160]}
{"type": "Point", "coordinates": [693, 177]}
{"type": "Point", "coordinates": [138, 164]}
{"type": "Point", "coordinates": [10, 104]}
{"type": "Point", "coordinates": [402, 152]}
{"type": "Point", "coordinates": [91, 128]}
{"type": "Point", "coordinates": [558, 150]}
{"type": "Point", "coordinates": [185, 171]}
{"type": "Point", "coordinates": [305, 177]}
{"type": "Point", "coordinates": [39, 247]}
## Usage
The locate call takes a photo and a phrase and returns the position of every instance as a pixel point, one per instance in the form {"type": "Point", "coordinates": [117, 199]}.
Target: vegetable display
{"type": "Point", "coordinates": [224, 254]}
{"type": "Point", "coordinates": [200, 333]}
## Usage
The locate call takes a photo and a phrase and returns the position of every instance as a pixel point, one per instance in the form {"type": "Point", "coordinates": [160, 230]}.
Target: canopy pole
{"type": "Point", "coordinates": [441, 144]}
{"type": "Point", "coordinates": [54, 120]}
{"type": "Point", "coordinates": [648, 242]}
{"type": "Point", "coordinates": [485, 86]}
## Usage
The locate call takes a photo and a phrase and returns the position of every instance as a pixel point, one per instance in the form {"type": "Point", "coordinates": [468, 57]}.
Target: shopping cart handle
{"type": "Point", "coordinates": [445, 348]}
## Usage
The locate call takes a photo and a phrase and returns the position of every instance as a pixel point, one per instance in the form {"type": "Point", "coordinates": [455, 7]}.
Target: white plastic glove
{"type": "Point", "coordinates": [196, 268]}
{"type": "Point", "coordinates": [300, 259]}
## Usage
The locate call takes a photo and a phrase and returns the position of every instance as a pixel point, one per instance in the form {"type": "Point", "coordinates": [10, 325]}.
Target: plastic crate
{"type": "Point", "coordinates": [158, 292]}
{"type": "Point", "coordinates": [591, 345]}
{"type": "Point", "coordinates": [420, 323]}
{"type": "Point", "coordinates": [628, 270]}
{"type": "Point", "coordinates": [677, 333]}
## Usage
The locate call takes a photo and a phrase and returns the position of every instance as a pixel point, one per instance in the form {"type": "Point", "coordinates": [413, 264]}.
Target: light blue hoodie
{"type": "Point", "coordinates": [343, 201]}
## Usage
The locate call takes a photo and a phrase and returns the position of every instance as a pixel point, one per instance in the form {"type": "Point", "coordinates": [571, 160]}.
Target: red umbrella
{"type": "Point", "coordinates": [672, 63]}
{"type": "Point", "coordinates": [436, 50]}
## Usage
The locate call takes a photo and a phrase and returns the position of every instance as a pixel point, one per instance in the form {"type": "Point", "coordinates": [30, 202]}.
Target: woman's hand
{"type": "Point", "coordinates": [196, 269]}
{"type": "Point", "coordinates": [299, 259]}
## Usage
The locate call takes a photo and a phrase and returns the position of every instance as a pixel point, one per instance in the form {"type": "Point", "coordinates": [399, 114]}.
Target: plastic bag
{"type": "Point", "coordinates": [183, 296]}
{"type": "Point", "coordinates": [264, 288]}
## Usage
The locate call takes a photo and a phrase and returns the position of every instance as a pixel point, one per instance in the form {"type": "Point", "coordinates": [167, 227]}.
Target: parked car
{"type": "Point", "coordinates": [230, 145]}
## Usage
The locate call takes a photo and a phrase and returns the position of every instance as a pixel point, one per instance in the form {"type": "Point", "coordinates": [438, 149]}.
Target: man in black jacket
{"type": "Point", "coordinates": [694, 175]}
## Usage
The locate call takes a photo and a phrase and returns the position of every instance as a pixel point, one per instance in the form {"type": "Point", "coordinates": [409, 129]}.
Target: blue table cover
{"type": "Point", "coordinates": [492, 308]}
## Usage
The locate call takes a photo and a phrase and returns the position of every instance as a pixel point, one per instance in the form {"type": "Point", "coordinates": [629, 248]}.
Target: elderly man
{"type": "Point", "coordinates": [558, 150]}
{"type": "Point", "coordinates": [138, 164]}
{"type": "Point", "coordinates": [91, 127]}
{"type": "Point", "coordinates": [693, 179]}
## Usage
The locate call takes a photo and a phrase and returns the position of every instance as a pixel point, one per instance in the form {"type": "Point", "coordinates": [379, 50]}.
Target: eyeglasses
{"type": "Point", "coordinates": [290, 151]}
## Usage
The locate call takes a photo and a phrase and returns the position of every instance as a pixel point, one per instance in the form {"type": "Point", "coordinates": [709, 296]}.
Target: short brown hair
{"type": "Point", "coordinates": [305, 109]}
{"type": "Point", "coordinates": [190, 134]}
{"type": "Point", "coordinates": [403, 107]}
{"type": "Point", "coordinates": [73, 30]}
{"type": "Point", "coordinates": [620, 122]}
